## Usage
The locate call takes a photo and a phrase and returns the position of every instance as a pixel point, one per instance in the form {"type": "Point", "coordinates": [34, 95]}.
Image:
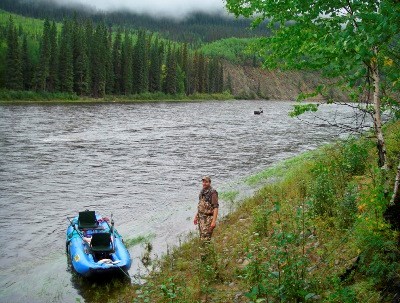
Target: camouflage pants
{"type": "Point", "coordinates": [204, 227]}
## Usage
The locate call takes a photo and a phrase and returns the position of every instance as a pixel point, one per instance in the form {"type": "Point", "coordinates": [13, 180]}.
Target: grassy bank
{"type": "Point", "coordinates": [8, 97]}
{"type": "Point", "coordinates": [315, 234]}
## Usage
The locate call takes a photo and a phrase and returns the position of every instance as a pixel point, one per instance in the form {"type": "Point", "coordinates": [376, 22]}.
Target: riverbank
{"type": "Point", "coordinates": [28, 97]}
{"type": "Point", "coordinates": [315, 232]}
{"type": "Point", "coordinates": [127, 159]}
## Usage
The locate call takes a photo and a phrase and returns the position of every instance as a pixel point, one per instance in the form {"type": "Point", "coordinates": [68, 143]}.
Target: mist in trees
{"type": "Point", "coordinates": [195, 28]}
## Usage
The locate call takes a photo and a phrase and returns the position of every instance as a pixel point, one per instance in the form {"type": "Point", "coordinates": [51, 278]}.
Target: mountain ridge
{"type": "Point", "coordinates": [196, 28]}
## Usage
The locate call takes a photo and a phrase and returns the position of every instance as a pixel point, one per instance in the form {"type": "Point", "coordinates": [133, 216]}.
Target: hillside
{"type": "Point", "coordinates": [197, 28]}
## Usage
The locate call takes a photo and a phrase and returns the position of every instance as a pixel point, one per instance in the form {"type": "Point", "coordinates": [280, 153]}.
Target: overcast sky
{"type": "Point", "coordinates": [173, 8]}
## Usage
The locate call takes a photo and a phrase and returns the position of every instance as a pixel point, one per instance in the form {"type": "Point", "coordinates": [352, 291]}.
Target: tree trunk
{"type": "Point", "coordinates": [396, 191]}
{"type": "Point", "coordinates": [382, 161]}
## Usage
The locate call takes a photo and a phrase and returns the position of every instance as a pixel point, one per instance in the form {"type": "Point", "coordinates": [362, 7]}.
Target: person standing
{"type": "Point", "coordinates": [207, 210]}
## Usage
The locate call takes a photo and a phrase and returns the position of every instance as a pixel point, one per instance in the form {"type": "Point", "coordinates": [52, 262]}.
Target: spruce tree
{"type": "Point", "coordinates": [161, 62]}
{"type": "Point", "coordinates": [98, 64]}
{"type": "Point", "coordinates": [215, 76]}
{"type": "Point", "coordinates": [109, 65]}
{"type": "Point", "coordinates": [171, 81]}
{"type": "Point", "coordinates": [117, 63]}
{"type": "Point", "coordinates": [180, 80]}
{"type": "Point", "coordinates": [26, 65]}
{"type": "Point", "coordinates": [212, 75]}
{"type": "Point", "coordinates": [52, 81]}
{"type": "Point", "coordinates": [14, 79]}
{"type": "Point", "coordinates": [140, 64]}
{"type": "Point", "coordinates": [189, 76]}
{"type": "Point", "coordinates": [80, 59]}
{"type": "Point", "coordinates": [185, 67]}
{"type": "Point", "coordinates": [155, 68]}
{"type": "Point", "coordinates": [194, 79]}
{"type": "Point", "coordinates": [144, 84]}
{"type": "Point", "coordinates": [43, 68]}
{"type": "Point", "coordinates": [89, 38]}
{"type": "Point", "coordinates": [207, 83]}
{"type": "Point", "coordinates": [126, 64]}
{"type": "Point", "coordinates": [65, 63]}
{"type": "Point", "coordinates": [201, 74]}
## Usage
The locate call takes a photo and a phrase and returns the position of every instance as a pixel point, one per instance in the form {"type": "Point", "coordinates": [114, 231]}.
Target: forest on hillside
{"type": "Point", "coordinates": [195, 29]}
{"type": "Point", "coordinates": [93, 59]}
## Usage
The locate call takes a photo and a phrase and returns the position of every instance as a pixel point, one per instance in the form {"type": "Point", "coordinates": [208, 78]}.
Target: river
{"type": "Point", "coordinates": [141, 162]}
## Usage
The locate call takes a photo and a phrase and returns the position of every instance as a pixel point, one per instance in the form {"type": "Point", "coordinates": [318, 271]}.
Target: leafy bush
{"type": "Point", "coordinates": [377, 242]}
{"type": "Point", "coordinates": [341, 294]}
{"type": "Point", "coordinates": [347, 207]}
{"type": "Point", "coordinates": [278, 272]}
{"type": "Point", "coordinates": [330, 192]}
{"type": "Point", "coordinates": [354, 155]}
{"type": "Point", "coordinates": [324, 189]}
{"type": "Point", "coordinates": [260, 220]}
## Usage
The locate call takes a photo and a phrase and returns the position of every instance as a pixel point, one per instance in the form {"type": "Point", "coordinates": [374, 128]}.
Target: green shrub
{"type": "Point", "coordinates": [341, 293]}
{"type": "Point", "coordinates": [347, 207]}
{"type": "Point", "coordinates": [323, 189]}
{"type": "Point", "coordinates": [260, 220]}
{"type": "Point", "coordinates": [354, 155]}
{"type": "Point", "coordinates": [330, 193]}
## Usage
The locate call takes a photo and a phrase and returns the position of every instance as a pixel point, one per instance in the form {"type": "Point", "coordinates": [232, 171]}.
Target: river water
{"type": "Point", "coordinates": [141, 162]}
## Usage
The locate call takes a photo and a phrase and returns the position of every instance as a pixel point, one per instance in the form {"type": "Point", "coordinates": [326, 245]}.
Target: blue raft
{"type": "Point", "coordinates": [95, 247]}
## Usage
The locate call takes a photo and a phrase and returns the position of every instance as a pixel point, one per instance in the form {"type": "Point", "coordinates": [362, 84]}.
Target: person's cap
{"type": "Point", "coordinates": [207, 178]}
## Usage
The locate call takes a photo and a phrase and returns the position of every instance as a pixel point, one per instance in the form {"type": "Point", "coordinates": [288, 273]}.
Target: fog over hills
{"type": "Point", "coordinates": [186, 21]}
{"type": "Point", "coordinates": [175, 9]}
{"type": "Point", "coordinates": [170, 8]}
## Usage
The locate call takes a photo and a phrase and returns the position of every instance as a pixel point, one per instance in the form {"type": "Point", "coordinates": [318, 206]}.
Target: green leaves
{"type": "Point", "coordinates": [333, 36]}
{"type": "Point", "coordinates": [303, 108]}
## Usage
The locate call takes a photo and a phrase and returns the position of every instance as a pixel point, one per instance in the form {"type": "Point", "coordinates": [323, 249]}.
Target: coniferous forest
{"type": "Point", "coordinates": [91, 59]}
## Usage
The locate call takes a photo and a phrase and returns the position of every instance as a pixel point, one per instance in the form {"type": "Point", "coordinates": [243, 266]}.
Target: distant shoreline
{"type": "Point", "coordinates": [25, 98]}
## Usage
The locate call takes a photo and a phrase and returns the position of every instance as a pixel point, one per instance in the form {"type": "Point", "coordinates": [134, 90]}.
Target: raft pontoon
{"type": "Point", "coordinates": [95, 246]}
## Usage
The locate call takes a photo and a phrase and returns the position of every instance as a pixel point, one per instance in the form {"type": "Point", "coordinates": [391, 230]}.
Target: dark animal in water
{"type": "Point", "coordinates": [257, 112]}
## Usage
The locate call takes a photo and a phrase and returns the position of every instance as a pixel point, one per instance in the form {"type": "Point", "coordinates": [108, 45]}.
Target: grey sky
{"type": "Point", "coordinates": [173, 8]}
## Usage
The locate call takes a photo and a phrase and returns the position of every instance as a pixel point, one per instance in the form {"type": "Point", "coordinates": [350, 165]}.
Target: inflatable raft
{"type": "Point", "coordinates": [95, 246]}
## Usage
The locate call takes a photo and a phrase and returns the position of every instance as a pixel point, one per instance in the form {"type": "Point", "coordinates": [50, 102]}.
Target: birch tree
{"type": "Point", "coordinates": [352, 41]}
{"type": "Point", "coordinates": [356, 42]}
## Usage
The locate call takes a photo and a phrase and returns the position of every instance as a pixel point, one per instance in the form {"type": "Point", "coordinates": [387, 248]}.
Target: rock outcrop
{"type": "Point", "coordinates": [248, 82]}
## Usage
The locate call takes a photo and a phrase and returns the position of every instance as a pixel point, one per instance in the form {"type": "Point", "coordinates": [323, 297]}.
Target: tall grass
{"type": "Point", "coordinates": [316, 234]}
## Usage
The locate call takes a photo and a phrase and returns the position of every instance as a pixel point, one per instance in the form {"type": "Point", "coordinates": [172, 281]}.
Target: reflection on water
{"type": "Point", "coordinates": [141, 162]}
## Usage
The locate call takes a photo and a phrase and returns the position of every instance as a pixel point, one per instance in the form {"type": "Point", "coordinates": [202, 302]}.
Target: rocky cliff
{"type": "Point", "coordinates": [248, 82]}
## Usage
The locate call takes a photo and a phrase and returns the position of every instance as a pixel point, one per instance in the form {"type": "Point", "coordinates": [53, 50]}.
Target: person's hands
{"type": "Point", "coordinates": [212, 225]}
